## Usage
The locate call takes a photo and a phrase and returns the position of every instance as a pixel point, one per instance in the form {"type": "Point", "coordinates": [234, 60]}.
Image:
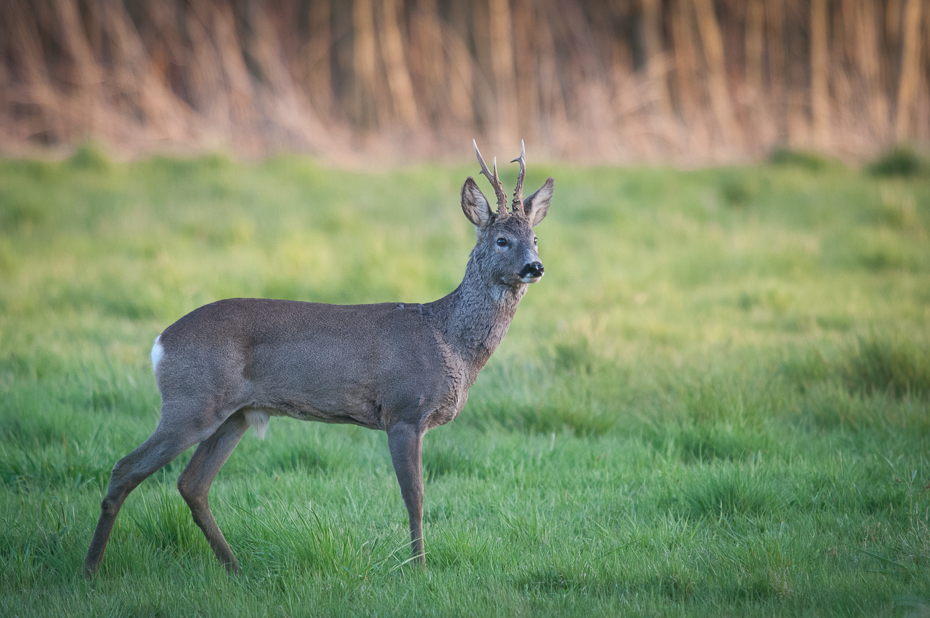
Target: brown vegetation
{"type": "Point", "coordinates": [678, 80]}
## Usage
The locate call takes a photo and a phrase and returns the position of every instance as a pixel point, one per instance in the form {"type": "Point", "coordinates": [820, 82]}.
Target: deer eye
{"type": "Point", "coordinates": [535, 240]}
{"type": "Point", "coordinates": [501, 242]}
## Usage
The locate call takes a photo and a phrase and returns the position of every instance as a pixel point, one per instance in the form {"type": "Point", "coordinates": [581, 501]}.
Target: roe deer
{"type": "Point", "coordinates": [401, 368]}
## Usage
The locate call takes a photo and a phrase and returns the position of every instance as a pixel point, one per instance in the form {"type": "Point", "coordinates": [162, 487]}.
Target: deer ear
{"type": "Point", "coordinates": [537, 205]}
{"type": "Point", "coordinates": [474, 204]}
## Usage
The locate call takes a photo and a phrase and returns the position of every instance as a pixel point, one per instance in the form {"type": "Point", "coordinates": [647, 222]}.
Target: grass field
{"type": "Point", "coordinates": [717, 402]}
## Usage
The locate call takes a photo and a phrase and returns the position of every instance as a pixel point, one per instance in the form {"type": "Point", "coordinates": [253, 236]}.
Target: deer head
{"type": "Point", "coordinates": [506, 251]}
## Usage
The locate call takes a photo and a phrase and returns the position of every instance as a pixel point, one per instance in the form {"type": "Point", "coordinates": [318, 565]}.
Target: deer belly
{"type": "Point", "coordinates": [365, 414]}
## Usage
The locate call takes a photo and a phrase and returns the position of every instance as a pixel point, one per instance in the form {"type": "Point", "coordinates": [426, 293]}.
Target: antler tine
{"type": "Point", "coordinates": [495, 181]}
{"type": "Point", "coordinates": [518, 192]}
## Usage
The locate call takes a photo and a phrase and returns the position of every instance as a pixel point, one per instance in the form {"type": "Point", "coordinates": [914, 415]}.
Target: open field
{"type": "Point", "coordinates": [716, 402]}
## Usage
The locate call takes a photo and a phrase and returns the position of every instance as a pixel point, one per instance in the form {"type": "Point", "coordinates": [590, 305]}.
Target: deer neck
{"type": "Point", "coordinates": [477, 316]}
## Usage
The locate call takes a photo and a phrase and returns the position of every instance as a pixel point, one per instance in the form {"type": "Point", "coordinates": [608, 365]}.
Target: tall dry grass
{"type": "Point", "coordinates": [678, 80]}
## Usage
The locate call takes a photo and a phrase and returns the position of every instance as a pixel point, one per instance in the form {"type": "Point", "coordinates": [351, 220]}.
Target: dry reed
{"type": "Point", "coordinates": [686, 81]}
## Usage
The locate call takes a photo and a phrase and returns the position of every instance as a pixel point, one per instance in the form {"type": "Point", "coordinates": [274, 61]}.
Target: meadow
{"type": "Point", "coordinates": [716, 402]}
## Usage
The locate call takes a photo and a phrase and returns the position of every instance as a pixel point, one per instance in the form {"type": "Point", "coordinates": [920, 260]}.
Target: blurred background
{"type": "Point", "coordinates": [681, 81]}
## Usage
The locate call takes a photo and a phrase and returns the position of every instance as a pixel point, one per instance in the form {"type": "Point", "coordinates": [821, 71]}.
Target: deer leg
{"type": "Point", "coordinates": [149, 457]}
{"type": "Point", "coordinates": [406, 442]}
{"type": "Point", "coordinates": [194, 483]}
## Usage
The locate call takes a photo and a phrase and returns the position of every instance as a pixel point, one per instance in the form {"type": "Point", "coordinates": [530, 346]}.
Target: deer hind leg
{"type": "Point", "coordinates": [152, 455]}
{"type": "Point", "coordinates": [194, 483]}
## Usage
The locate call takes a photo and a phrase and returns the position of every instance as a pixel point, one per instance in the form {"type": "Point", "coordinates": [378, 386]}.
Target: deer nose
{"type": "Point", "coordinates": [533, 269]}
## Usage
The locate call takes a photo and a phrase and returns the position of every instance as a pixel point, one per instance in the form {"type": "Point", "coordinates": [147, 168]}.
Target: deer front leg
{"type": "Point", "coordinates": [405, 442]}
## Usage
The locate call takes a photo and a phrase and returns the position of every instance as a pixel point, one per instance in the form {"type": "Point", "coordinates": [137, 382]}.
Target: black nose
{"type": "Point", "coordinates": [533, 269]}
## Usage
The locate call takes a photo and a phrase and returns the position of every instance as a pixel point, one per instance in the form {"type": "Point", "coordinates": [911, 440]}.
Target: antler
{"type": "Point", "coordinates": [495, 181]}
{"type": "Point", "coordinates": [518, 192]}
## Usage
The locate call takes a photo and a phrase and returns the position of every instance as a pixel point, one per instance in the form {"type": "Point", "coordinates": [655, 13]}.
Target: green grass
{"type": "Point", "coordinates": [717, 402]}
{"type": "Point", "coordinates": [902, 161]}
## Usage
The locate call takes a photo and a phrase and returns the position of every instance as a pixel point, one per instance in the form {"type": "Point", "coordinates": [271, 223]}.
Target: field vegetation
{"type": "Point", "coordinates": [717, 401]}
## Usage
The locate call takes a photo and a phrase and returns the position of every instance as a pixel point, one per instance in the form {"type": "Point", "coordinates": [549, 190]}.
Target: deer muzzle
{"type": "Point", "coordinates": [532, 272]}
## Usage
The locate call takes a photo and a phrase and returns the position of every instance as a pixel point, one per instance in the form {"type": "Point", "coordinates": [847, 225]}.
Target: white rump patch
{"type": "Point", "coordinates": [258, 419]}
{"type": "Point", "coordinates": [158, 352]}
